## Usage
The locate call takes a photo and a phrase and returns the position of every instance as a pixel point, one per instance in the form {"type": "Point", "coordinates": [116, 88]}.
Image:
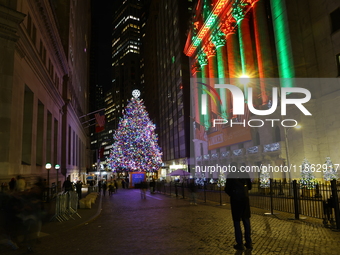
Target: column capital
{"type": "Point", "coordinates": [202, 58]}
{"type": "Point", "coordinates": [218, 38]}
{"type": "Point", "coordinates": [210, 49]}
{"type": "Point", "coordinates": [228, 27]}
{"type": "Point", "coordinates": [195, 68]}
{"type": "Point", "coordinates": [239, 10]}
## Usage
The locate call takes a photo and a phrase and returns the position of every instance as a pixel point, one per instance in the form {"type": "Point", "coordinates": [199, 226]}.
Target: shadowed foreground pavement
{"type": "Point", "coordinates": [166, 225]}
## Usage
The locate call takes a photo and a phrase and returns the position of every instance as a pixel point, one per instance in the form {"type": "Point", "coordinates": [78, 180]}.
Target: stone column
{"type": "Point", "coordinates": [196, 97]}
{"type": "Point", "coordinates": [222, 69]}
{"type": "Point", "coordinates": [263, 49]}
{"type": "Point", "coordinates": [283, 42]}
{"type": "Point", "coordinates": [246, 47]}
{"type": "Point", "coordinates": [234, 59]}
{"type": "Point", "coordinates": [210, 50]}
{"type": "Point", "coordinates": [203, 61]}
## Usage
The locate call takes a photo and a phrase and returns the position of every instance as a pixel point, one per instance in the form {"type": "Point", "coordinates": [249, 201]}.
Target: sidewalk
{"type": "Point", "coordinates": [160, 224]}
{"type": "Point", "coordinates": [87, 215]}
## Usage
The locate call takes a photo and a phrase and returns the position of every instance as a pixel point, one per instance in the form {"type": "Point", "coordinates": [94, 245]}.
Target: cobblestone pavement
{"type": "Point", "coordinates": [166, 225]}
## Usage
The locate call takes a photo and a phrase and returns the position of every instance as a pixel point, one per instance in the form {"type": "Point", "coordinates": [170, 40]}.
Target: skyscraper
{"type": "Point", "coordinates": [126, 43]}
{"type": "Point", "coordinates": [166, 72]}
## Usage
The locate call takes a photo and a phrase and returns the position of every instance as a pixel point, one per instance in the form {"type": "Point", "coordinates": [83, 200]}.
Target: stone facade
{"type": "Point", "coordinates": [44, 89]}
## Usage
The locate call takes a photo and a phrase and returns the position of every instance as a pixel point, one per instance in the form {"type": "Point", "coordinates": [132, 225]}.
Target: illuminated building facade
{"type": "Point", "coordinates": [265, 39]}
{"type": "Point", "coordinates": [44, 87]}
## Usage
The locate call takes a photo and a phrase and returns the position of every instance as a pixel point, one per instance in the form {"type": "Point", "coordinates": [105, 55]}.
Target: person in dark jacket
{"type": "Point", "coordinates": [79, 186]}
{"type": "Point", "coordinates": [237, 186]}
{"type": "Point", "coordinates": [12, 184]}
{"type": "Point", "coordinates": [67, 185]}
{"type": "Point", "coordinates": [104, 186]}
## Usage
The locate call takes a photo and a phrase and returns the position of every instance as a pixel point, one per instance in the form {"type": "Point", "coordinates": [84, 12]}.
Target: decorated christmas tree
{"type": "Point", "coordinates": [264, 179]}
{"type": "Point", "coordinates": [330, 173]}
{"type": "Point", "coordinates": [135, 147]}
{"type": "Point", "coordinates": [307, 178]}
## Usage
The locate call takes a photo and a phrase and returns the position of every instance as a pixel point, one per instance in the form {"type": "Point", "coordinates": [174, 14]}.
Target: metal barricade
{"type": "Point", "coordinates": [66, 206]}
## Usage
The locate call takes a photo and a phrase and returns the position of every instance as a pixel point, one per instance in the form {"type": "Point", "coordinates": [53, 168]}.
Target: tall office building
{"type": "Point", "coordinates": [126, 43]}
{"type": "Point", "coordinates": [167, 74]}
{"type": "Point", "coordinates": [266, 39]}
{"type": "Point", "coordinates": [100, 75]}
{"type": "Point", "coordinates": [44, 87]}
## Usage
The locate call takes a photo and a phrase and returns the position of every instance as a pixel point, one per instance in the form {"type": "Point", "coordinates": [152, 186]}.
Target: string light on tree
{"type": "Point", "coordinates": [135, 147]}
{"type": "Point", "coordinates": [307, 178]}
{"type": "Point", "coordinates": [264, 179]}
{"type": "Point", "coordinates": [330, 173]}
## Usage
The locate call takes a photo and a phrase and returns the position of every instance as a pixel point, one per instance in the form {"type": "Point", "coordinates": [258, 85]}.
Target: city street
{"type": "Point", "coordinates": [167, 225]}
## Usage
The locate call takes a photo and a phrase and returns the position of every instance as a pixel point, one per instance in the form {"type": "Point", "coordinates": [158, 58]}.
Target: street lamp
{"type": "Point", "coordinates": [286, 129]}
{"type": "Point", "coordinates": [57, 167]}
{"type": "Point", "coordinates": [48, 166]}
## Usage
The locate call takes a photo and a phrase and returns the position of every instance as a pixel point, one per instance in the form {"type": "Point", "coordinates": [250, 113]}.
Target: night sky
{"type": "Point", "coordinates": [102, 12]}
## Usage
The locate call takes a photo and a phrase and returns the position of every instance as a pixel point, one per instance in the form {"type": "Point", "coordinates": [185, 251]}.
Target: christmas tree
{"type": "Point", "coordinates": [330, 173]}
{"type": "Point", "coordinates": [135, 147]}
{"type": "Point", "coordinates": [221, 181]}
{"type": "Point", "coordinates": [264, 179]}
{"type": "Point", "coordinates": [307, 178]}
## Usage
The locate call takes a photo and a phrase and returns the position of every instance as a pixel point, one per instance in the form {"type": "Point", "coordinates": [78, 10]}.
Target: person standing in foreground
{"type": "Point", "coordinates": [237, 186]}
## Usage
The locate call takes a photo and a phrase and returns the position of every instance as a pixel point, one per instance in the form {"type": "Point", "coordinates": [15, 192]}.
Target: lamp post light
{"type": "Point", "coordinates": [244, 80]}
{"type": "Point", "coordinates": [57, 167]}
{"type": "Point", "coordinates": [48, 166]}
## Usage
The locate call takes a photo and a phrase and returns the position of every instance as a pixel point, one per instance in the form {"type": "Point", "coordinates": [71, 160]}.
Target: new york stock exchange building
{"type": "Point", "coordinates": [265, 87]}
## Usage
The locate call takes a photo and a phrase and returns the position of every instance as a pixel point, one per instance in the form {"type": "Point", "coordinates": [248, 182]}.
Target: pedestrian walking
{"type": "Point", "coordinates": [104, 186]}
{"type": "Point", "coordinates": [127, 182]}
{"type": "Point", "coordinates": [12, 184]}
{"type": "Point", "coordinates": [111, 189]}
{"type": "Point", "coordinates": [115, 184]}
{"type": "Point", "coordinates": [237, 186]}
{"type": "Point", "coordinates": [123, 183]}
{"type": "Point", "coordinates": [152, 186]}
{"type": "Point", "coordinates": [193, 192]}
{"type": "Point", "coordinates": [79, 186]}
{"type": "Point", "coordinates": [143, 188]}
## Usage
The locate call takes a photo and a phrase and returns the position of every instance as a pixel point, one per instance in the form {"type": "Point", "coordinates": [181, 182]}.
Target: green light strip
{"type": "Point", "coordinates": [222, 92]}
{"type": "Point", "coordinates": [283, 42]}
